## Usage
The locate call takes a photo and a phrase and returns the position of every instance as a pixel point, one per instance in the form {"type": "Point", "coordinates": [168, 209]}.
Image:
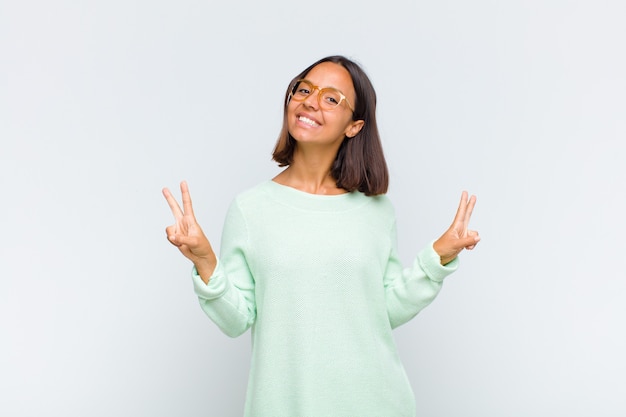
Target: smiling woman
{"type": "Point", "coordinates": [309, 260]}
{"type": "Point", "coordinates": [358, 162]}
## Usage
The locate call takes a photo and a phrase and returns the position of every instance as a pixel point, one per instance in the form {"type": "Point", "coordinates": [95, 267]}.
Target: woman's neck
{"type": "Point", "coordinates": [310, 172]}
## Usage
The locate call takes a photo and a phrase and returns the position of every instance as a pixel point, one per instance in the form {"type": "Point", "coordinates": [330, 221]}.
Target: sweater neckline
{"type": "Point", "coordinates": [314, 202]}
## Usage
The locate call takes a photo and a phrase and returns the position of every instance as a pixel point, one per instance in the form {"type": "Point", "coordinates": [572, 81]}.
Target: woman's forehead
{"type": "Point", "coordinates": [329, 74]}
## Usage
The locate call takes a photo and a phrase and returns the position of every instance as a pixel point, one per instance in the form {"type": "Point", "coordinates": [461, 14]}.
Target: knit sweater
{"type": "Point", "coordinates": [319, 280]}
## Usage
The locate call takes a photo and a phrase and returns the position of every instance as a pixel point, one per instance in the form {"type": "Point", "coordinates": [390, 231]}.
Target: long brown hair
{"type": "Point", "coordinates": [360, 162]}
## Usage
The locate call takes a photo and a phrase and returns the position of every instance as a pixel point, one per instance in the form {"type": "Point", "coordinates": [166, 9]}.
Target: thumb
{"type": "Point", "coordinates": [469, 241]}
{"type": "Point", "coordinates": [178, 240]}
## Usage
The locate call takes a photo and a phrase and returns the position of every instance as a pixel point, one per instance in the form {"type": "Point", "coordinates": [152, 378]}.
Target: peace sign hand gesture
{"type": "Point", "coordinates": [458, 237]}
{"type": "Point", "coordinates": [187, 235]}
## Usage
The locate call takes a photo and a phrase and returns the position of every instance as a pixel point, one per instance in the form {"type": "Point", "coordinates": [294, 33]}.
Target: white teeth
{"type": "Point", "coordinates": [307, 121]}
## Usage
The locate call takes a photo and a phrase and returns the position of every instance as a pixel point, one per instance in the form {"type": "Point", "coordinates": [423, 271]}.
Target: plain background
{"type": "Point", "coordinates": [102, 104]}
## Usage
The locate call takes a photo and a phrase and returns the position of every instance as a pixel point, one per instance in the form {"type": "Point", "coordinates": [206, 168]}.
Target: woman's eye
{"type": "Point", "coordinates": [331, 99]}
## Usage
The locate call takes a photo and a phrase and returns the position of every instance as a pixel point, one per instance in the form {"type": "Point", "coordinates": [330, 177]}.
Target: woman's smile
{"type": "Point", "coordinates": [308, 120]}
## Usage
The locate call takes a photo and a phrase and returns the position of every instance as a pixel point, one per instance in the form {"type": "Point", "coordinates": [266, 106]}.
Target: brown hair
{"type": "Point", "coordinates": [360, 163]}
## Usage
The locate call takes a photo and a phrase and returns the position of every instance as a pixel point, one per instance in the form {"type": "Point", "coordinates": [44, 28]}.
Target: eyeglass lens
{"type": "Point", "coordinates": [329, 98]}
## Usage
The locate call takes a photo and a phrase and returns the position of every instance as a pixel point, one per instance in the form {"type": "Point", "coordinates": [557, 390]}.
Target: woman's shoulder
{"type": "Point", "coordinates": [253, 191]}
{"type": "Point", "coordinates": [383, 203]}
{"type": "Point", "coordinates": [251, 196]}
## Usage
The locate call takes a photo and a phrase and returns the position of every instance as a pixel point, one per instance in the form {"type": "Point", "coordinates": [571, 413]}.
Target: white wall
{"type": "Point", "coordinates": [104, 103]}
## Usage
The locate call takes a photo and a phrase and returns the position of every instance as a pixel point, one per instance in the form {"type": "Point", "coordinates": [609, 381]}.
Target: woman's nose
{"type": "Point", "coordinates": [312, 101]}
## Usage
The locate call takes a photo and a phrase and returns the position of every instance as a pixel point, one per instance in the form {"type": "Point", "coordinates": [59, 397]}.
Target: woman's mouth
{"type": "Point", "coordinates": [307, 121]}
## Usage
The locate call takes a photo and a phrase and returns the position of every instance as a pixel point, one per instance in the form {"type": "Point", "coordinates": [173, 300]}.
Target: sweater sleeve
{"type": "Point", "coordinates": [228, 299]}
{"type": "Point", "coordinates": [409, 290]}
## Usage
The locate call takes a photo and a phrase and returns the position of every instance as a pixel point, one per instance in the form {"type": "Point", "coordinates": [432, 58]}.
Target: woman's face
{"type": "Point", "coordinates": [308, 123]}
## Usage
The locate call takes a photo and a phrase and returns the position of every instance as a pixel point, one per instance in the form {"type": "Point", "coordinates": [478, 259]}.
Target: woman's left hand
{"type": "Point", "coordinates": [458, 237]}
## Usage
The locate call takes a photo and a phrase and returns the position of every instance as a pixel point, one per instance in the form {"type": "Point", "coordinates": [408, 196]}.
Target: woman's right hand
{"type": "Point", "coordinates": [187, 235]}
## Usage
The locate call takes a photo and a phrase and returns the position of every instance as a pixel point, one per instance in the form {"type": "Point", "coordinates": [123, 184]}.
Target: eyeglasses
{"type": "Point", "coordinates": [329, 98]}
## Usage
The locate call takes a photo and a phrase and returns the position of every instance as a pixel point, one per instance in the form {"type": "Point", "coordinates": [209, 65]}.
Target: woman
{"type": "Point", "coordinates": [309, 260]}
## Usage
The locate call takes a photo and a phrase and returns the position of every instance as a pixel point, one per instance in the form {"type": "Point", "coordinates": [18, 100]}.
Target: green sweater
{"type": "Point", "coordinates": [319, 280]}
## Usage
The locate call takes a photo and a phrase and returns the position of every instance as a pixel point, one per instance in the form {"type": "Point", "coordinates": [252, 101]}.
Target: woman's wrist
{"type": "Point", "coordinates": [445, 257]}
{"type": "Point", "coordinates": [205, 267]}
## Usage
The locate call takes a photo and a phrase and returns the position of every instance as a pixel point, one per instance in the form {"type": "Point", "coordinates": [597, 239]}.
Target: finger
{"type": "Point", "coordinates": [472, 234]}
{"type": "Point", "coordinates": [187, 206]}
{"type": "Point", "coordinates": [173, 241]}
{"type": "Point", "coordinates": [468, 242]}
{"type": "Point", "coordinates": [180, 240]}
{"type": "Point", "coordinates": [460, 212]}
{"type": "Point", "coordinates": [469, 210]}
{"type": "Point", "coordinates": [171, 201]}
{"type": "Point", "coordinates": [170, 230]}
{"type": "Point", "coordinates": [470, 247]}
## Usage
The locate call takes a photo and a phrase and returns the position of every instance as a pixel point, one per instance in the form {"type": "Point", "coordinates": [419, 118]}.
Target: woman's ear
{"type": "Point", "coordinates": [354, 128]}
